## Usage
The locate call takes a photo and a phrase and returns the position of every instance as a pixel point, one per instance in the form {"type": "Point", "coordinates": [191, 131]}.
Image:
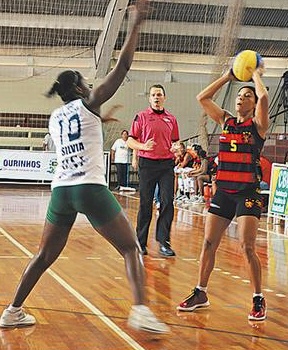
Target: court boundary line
{"type": "Point", "coordinates": [233, 222]}
{"type": "Point", "coordinates": [98, 313]}
{"type": "Point", "coordinates": [199, 213]}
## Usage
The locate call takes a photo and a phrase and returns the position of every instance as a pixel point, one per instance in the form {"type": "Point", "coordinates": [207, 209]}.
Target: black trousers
{"type": "Point", "coordinates": [150, 173]}
{"type": "Point", "coordinates": [122, 174]}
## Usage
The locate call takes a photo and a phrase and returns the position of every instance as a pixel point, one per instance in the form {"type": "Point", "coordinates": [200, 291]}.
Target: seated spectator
{"type": "Point", "coordinates": [208, 178]}
{"type": "Point", "coordinates": [192, 151]}
{"type": "Point", "coordinates": [182, 157]}
{"type": "Point", "coordinates": [202, 170]}
{"type": "Point", "coordinates": [183, 163]}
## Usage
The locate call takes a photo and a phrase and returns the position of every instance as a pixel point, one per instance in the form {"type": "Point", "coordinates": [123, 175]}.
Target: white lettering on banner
{"type": "Point", "coordinates": [283, 179]}
{"type": "Point", "coordinates": [281, 193]}
{"type": "Point", "coordinates": [278, 208]}
{"type": "Point", "coordinates": [279, 200]}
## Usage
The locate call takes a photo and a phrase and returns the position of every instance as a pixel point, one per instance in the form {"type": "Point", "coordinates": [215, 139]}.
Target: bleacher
{"type": "Point", "coordinates": [22, 138]}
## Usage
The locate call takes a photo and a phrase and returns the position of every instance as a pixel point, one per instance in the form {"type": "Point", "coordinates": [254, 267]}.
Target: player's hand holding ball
{"type": "Point", "coordinates": [245, 63]}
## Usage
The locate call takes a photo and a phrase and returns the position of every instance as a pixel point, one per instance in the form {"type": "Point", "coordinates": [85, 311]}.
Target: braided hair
{"type": "Point", "coordinates": [65, 85]}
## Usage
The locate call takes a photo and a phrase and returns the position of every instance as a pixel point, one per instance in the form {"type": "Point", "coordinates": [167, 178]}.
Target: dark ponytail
{"type": "Point", "coordinates": [53, 90]}
{"type": "Point", "coordinates": [65, 86]}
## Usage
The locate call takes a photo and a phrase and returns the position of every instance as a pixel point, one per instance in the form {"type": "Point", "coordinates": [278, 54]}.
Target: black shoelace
{"type": "Point", "coordinates": [257, 303]}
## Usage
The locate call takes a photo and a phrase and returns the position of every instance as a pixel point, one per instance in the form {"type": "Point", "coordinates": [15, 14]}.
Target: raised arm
{"type": "Point", "coordinates": [205, 98]}
{"type": "Point", "coordinates": [261, 118]}
{"type": "Point", "coordinates": [113, 80]}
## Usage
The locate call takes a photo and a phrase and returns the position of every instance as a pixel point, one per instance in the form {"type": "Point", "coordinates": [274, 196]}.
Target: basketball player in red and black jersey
{"type": "Point", "coordinates": [238, 181]}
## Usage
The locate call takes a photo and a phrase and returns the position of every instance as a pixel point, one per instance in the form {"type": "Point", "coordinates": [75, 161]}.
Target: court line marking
{"type": "Point", "coordinates": [78, 296]}
{"type": "Point", "coordinates": [204, 214]}
{"type": "Point", "coordinates": [278, 236]}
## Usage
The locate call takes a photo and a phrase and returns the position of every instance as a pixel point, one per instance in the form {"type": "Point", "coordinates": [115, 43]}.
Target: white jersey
{"type": "Point", "coordinates": [78, 137]}
{"type": "Point", "coordinates": [121, 151]}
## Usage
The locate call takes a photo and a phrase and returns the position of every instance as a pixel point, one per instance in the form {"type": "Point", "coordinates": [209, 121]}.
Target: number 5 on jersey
{"type": "Point", "coordinates": [233, 145]}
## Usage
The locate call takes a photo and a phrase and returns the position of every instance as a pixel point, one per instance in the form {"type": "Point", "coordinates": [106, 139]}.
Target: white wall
{"type": "Point", "coordinates": [27, 96]}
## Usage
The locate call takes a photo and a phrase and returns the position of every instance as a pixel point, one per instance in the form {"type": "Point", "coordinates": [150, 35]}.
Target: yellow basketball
{"type": "Point", "coordinates": [244, 64]}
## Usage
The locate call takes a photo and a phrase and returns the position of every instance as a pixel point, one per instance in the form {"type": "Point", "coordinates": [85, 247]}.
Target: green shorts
{"type": "Point", "coordinates": [95, 201]}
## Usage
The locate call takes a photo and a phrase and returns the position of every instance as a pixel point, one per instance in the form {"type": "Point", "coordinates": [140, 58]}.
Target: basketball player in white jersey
{"type": "Point", "coordinates": [79, 185]}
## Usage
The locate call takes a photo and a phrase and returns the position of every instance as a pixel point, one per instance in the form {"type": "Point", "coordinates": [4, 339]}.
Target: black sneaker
{"type": "Point", "coordinates": [196, 299]}
{"type": "Point", "coordinates": [259, 309]}
{"type": "Point", "coordinates": [166, 251]}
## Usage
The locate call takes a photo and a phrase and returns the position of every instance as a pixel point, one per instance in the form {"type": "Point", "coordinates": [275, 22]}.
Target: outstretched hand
{"type": "Point", "coordinates": [109, 116]}
{"type": "Point", "coordinates": [138, 12]}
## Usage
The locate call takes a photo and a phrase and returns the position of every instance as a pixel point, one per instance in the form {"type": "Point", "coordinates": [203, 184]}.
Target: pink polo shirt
{"type": "Point", "coordinates": [163, 128]}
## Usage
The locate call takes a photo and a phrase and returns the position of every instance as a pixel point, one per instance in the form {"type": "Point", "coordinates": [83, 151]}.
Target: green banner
{"type": "Point", "coordinates": [278, 201]}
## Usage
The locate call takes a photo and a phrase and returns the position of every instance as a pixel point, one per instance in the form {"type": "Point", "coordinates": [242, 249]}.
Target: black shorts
{"type": "Point", "coordinates": [228, 205]}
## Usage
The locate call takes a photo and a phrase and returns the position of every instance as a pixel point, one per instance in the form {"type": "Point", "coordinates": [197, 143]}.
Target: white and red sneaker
{"type": "Point", "coordinates": [259, 309]}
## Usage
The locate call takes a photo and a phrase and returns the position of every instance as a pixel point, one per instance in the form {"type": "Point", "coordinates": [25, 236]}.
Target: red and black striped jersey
{"type": "Point", "coordinates": [239, 156]}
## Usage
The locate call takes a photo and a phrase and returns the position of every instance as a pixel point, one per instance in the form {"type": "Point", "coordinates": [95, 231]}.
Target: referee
{"type": "Point", "coordinates": [152, 134]}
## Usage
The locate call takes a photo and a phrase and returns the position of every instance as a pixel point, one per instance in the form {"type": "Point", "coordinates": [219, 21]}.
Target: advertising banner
{"type": "Point", "coordinates": [32, 165]}
{"type": "Point", "coordinates": [278, 199]}
{"type": "Point", "coordinates": [26, 165]}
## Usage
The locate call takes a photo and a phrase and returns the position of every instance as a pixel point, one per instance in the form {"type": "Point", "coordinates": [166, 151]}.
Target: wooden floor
{"type": "Point", "coordinates": [83, 301]}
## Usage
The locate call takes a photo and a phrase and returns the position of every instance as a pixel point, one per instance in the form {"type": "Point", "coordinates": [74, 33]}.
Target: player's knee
{"type": "Point", "coordinates": [248, 250]}
{"type": "Point", "coordinates": [130, 248]}
{"type": "Point", "coordinates": [207, 245]}
{"type": "Point", "coordinates": [42, 262]}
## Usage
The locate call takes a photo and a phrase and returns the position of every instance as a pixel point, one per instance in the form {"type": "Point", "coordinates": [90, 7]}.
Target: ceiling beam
{"type": "Point", "coordinates": [106, 42]}
{"type": "Point", "coordinates": [144, 64]}
{"type": "Point", "coordinates": [110, 26]}
{"type": "Point", "coordinates": [269, 4]}
{"type": "Point", "coordinates": [50, 21]}
{"type": "Point", "coordinates": [213, 30]}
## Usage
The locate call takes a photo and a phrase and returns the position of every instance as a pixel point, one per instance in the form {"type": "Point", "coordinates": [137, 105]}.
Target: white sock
{"type": "Point", "coordinates": [204, 289]}
{"type": "Point", "coordinates": [258, 295]}
{"type": "Point", "coordinates": [139, 307]}
{"type": "Point", "coordinates": [13, 308]}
